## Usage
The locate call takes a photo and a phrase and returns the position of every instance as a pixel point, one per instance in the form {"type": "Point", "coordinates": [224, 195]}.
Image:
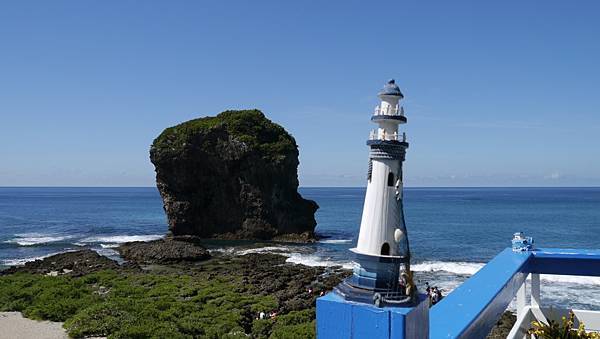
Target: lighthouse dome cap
{"type": "Point", "coordinates": [391, 89]}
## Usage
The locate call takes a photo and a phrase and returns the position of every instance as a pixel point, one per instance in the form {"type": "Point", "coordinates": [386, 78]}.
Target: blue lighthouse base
{"type": "Point", "coordinates": [376, 280]}
{"type": "Point", "coordinates": [377, 272]}
{"type": "Point", "coordinates": [339, 318]}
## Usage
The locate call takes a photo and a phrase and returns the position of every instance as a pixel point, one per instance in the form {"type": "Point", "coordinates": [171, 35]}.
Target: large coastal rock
{"type": "Point", "coordinates": [232, 176]}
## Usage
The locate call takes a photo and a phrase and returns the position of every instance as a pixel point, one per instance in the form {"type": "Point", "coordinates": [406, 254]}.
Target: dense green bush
{"type": "Point", "coordinates": [297, 324]}
{"type": "Point", "coordinates": [42, 297]}
{"type": "Point", "coordinates": [150, 305]}
{"type": "Point", "coordinates": [248, 126]}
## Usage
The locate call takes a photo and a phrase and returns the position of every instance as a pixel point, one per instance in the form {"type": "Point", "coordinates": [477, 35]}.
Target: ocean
{"type": "Point", "coordinates": [453, 232]}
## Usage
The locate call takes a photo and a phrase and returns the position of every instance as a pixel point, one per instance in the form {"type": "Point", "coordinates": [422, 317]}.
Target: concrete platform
{"type": "Point", "coordinates": [339, 318]}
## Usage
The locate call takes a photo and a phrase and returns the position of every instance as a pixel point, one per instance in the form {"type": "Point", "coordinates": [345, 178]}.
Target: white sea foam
{"type": "Point", "coordinates": [109, 245]}
{"type": "Point", "coordinates": [315, 260]}
{"type": "Point", "coordinates": [240, 251]}
{"type": "Point", "coordinates": [268, 249]}
{"type": "Point", "coordinates": [570, 279]}
{"type": "Point", "coordinates": [119, 239]}
{"type": "Point", "coordinates": [468, 268]}
{"type": "Point", "coordinates": [22, 261]}
{"type": "Point", "coordinates": [460, 268]}
{"type": "Point", "coordinates": [335, 241]}
{"type": "Point", "coordinates": [32, 239]}
{"type": "Point", "coordinates": [107, 252]}
{"type": "Point", "coordinates": [223, 250]}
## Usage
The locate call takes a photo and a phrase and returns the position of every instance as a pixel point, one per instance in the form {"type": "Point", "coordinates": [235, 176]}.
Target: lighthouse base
{"type": "Point", "coordinates": [376, 280]}
{"type": "Point", "coordinates": [376, 297]}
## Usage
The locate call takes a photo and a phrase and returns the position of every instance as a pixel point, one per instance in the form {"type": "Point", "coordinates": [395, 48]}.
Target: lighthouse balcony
{"type": "Point", "coordinates": [389, 113]}
{"type": "Point", "coordinates": [389, 110]}
{"type": "Point", "coordinates": [377, 135]}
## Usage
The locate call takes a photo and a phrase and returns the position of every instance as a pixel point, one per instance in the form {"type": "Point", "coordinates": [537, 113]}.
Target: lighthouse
{"type": "Point", "coordinates": [382, 273]}
{"type": "Point", "coordinates": [379, 300]}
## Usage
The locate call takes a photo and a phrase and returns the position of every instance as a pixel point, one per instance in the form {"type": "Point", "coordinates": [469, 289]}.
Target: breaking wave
{"type": "Point", "coordinates": [109, 245]}
{"type": "Point", "coordinates": [119, 239]}
{"type": "Point", "coordinates": [107, 252]}
{"type": "Point", "coordinates": [469, 268]}
{"type": "Point", "coordinates": [269, 249]}
{"type": "Point", "coordinates": [22, 261]}
{"type": "Point", "coordinates": [315, 260]}
{"type": "Point", "coordinates": [32, 239]}
{"type": "Point", "coordinates": [459, 268]}
{"type": "Point", "coordinates": [335, 241]}
{"type": "Point", "coordinates": [570, 279]}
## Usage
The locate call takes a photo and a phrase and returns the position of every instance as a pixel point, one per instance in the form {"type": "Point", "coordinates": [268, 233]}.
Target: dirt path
{"type": "Point", "coordinates": [14, 326]}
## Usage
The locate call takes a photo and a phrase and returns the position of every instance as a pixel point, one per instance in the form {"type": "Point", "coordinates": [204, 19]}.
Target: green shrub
{"type": "Point", "coordinates": [43, 297]}
{"type": "Point", "coordinates": [261, 329]}
{"type": "Point", "coordinates": [296, 324]}
{"type": "Point", "coordinates": [299, 331]}
{"type": "Point", "coordinates": [143, 305]}
{"type": "Point", "coordinates": [296, 317]}
{"type": "Point", "coordinates": [564, 330]}
{"type": "Point", "coordinates": [248, 126]}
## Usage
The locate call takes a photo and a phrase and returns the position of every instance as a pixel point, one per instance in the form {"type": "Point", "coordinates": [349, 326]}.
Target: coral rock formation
{"type": "Point", "coordinates": [232, 176]}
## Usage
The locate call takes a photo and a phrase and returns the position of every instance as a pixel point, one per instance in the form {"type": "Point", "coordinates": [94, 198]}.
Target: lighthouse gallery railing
{"type": "Point", "coordinates": [398, 110]}
{"type": "Point", "coordinates": [378, 135]}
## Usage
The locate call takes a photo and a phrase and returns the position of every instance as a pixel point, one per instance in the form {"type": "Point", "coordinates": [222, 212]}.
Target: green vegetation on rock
{"type": "Point", "coordinates": [221, 297]}
{"type": "Point", "coordinates": [248, 126]}
{"type": "Point", "coordinates": [144, 305]}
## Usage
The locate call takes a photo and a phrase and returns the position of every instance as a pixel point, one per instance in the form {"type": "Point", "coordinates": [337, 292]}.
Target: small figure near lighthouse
{"type": "Point", "coordinates": [382, 275]}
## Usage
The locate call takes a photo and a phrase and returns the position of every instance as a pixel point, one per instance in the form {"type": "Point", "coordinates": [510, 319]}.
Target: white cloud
{"type": "Point", "coordinates": [553, 176]}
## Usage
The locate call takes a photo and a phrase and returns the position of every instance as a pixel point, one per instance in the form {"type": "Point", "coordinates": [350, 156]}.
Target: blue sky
{"type": "Point", "coordinates": [501, 93]}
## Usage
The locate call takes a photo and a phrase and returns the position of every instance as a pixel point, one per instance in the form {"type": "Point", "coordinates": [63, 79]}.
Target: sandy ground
{"type": "Point", "coordinates": [14, 326]}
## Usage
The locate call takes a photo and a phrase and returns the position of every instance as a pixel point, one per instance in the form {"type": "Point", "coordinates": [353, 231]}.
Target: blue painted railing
{"type": "Point", "coordinates": [473, 308]}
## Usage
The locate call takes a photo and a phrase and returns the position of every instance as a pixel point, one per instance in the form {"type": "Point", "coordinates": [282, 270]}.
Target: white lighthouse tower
{"type": "Point", "coordinates": [382, 229]}
{"type": "Point", "coordinates": [382, 274]}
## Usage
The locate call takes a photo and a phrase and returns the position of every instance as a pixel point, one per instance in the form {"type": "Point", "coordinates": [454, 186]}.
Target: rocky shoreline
{"type": "Point", "coordinates": [76, 263]}
{"type": "Point", "coordinates": [238, 288]}
{"type": "Point", "coordinates": [291, 288]}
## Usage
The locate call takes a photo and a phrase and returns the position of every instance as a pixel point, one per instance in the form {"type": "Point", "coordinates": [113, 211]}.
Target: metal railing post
{"type": "Point", "coordinates": [522, 299]}
{"type": "Point", "coordinates": [535, 290]}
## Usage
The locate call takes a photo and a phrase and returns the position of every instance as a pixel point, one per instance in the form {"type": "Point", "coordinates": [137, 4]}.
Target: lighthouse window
{"type": "Point", "coordinates": [385, 249]}
{"type": "Point", "coordinates": [391, 179]}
